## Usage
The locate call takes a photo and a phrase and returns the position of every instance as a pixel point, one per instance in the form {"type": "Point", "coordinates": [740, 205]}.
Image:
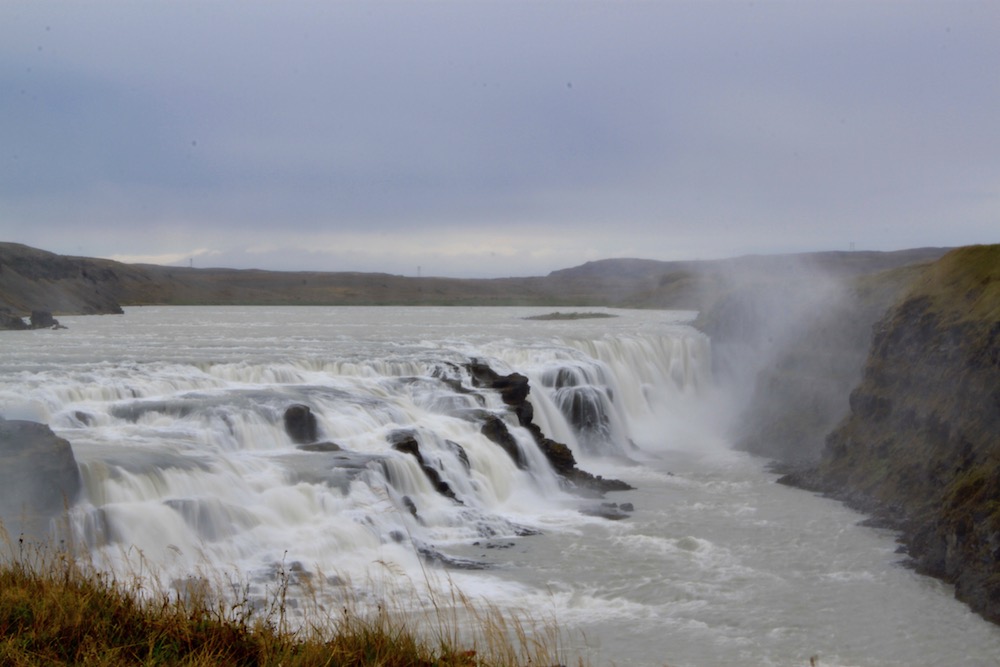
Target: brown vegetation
{"type": "Point", "coordinates": [56, 611]}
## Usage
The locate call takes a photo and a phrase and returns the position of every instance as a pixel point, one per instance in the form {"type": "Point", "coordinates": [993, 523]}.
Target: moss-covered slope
{"type": "Point", "coordinates": [921, 445]}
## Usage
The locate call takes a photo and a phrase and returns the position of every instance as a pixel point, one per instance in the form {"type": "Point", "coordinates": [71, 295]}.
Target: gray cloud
{"type": "Point", "coordinates": [368, 136]}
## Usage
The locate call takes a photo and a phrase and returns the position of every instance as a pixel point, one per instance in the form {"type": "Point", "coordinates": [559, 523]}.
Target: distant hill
{"type": "Point", "coordinates": [33, 279]}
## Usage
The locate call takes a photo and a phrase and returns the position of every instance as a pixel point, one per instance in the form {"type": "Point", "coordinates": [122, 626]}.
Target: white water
{"type": "Point", "coordinates": [175, 416]}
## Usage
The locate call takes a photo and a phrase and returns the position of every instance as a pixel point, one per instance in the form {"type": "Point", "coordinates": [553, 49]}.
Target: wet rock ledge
{"type": "Point", "coordinates": [514, 389]}
{"type": "Point", "coordinates": [39, 477]}
{"type": "Point", "coordinates": [39, 319]}
{"type": "Point", "coordinates": [300, 425]}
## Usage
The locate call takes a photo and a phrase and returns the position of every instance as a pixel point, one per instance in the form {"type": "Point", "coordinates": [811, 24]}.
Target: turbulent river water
{"type": "Point", "coordinates": [175, 416]}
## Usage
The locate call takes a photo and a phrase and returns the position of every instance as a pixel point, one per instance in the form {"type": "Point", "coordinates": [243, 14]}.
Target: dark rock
{"type": "Point", "coordinates": [496, 431]}
{"type": "Point", "coordinates": [300, 424]}
{"type": "Point", "coordinates": [559, 454]}
{"type": "Point", "coordinates": [38, 475]}
{"type": "Point", "coordinates": [42, 319]}
{"type": "Point", "coordinates": [460, 452]}
{"type": "Point", "coordinates": [406, 442]}
{"type": "Point", "coordinates": [482, 374]}
{"type": "Point", "coordinates": [11, 322]}
{"type": "Point", "coordinates": [84, 418]}
{"type": "Point", "coordinates": [609, 511]}
{"type": "Point", "coordinates": [321, 447]}
{"type": "Point", "coordinates": [410, 506]}
{"type": "Point", "coordinates": [514, 389]}
{"type": "Point", "coordinates": [434, 556]}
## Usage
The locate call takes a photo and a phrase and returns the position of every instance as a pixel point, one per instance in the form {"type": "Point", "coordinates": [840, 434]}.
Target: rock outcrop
{"type": "Point", "coordinates": [42, 319]}
{"type": "Point", "coordinates": [406, 442]}
{"type": "Point", "coordinates": [39, 319]}
{"type": "Point", "coordinates": [11, 322]}
{"type": "Point", "coordinates": [34, 280]}
{"type": "Point", "coordinates": [39, 477]}
{"type": "Point", "coordinates": [920, 447]}
{"type": "Point", "coordinates": [514, 389]}
{"type": "Point", "coordinates": [300, 424]}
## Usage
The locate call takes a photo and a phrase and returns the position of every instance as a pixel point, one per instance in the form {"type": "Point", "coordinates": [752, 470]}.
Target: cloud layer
{"type": "Point", "coordinates": [495, 138]}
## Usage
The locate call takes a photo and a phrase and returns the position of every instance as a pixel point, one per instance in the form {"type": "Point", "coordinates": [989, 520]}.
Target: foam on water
{"type": "Point", "coordinates": [176, 419]}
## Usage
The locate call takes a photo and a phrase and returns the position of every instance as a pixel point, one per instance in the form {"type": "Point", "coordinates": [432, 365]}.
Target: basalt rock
{"type": "Point", "coordinates": [39, 477]}
{"type": "Point", "coordinates": [460, 452]}
{"type": "Point", "coordinates": [406, 442]}
{"type": "Point", "coordinates": [321, 447]}
{"type": "Point", "coordinates": [514, 389]}
{"type": "Point", "coordinates": [42, 319]}
{"type": "Point", "coordinates": [300, 424]}
{"type": "Point", "coordinates": [11, 322]}
{"type": "Point", "coordinates": [496, 430]}
{"type": "Point", "coordinates": [39, 319]}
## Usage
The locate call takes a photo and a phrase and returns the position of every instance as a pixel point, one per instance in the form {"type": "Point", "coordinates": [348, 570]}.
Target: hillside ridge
{"type": "Point", "coordinates": [33, 279]}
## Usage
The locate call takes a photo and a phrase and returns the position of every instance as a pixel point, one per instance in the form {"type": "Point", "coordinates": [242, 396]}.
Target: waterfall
{"type": "Point", "coordinates": [186, 461]}
{"type": "Point", "coordinates": [603, 395]}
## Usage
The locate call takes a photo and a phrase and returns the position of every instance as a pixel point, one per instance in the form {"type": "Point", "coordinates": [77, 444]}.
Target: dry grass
{"type": "Point", "coordinates": [58, 610]}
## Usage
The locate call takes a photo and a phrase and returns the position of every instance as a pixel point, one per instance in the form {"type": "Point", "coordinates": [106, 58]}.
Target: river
{"type": "Point", "coordinates": [175, 415]}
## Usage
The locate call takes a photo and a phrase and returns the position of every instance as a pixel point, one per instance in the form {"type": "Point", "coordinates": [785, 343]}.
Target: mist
{"type": "Point", "coordinates": [790, 336]}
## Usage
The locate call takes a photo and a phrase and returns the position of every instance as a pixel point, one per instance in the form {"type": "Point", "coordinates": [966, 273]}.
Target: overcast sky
{"type": "Point", "coordinates": [487, 139]}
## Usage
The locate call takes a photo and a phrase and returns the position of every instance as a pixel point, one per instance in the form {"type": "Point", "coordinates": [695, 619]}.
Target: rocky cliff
{"type": "Point", "coordinates": [920, 445]}
{"type": "Point", "coordinates": [36, 280]}
{"type": "Point", "coordinates": [804, 351]}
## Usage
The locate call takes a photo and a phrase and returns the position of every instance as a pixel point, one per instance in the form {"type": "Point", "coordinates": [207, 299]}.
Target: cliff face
{"type": "Point", "coordinates": [807, 369]}
{"type": "Point", "coordinates": [921, 444]}
{"type": "Point", "coordinates": [33, 279]}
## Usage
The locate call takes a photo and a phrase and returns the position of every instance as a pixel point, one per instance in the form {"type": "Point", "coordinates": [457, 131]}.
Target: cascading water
{"type": "Point", "coordinates": [603, 394]}
{"type": "Point", "coordinates": [415, 467]}
{"type": "Point", "coordinates": [186, 464]}
{"type": "Point", "coordinates": [207, 474]}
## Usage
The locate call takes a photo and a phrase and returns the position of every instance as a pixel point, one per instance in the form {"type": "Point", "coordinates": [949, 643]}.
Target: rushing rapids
{"type": "Point", "coordinates": [364, 451]}
{"type": "Point", "coordinates": [188, 460]}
